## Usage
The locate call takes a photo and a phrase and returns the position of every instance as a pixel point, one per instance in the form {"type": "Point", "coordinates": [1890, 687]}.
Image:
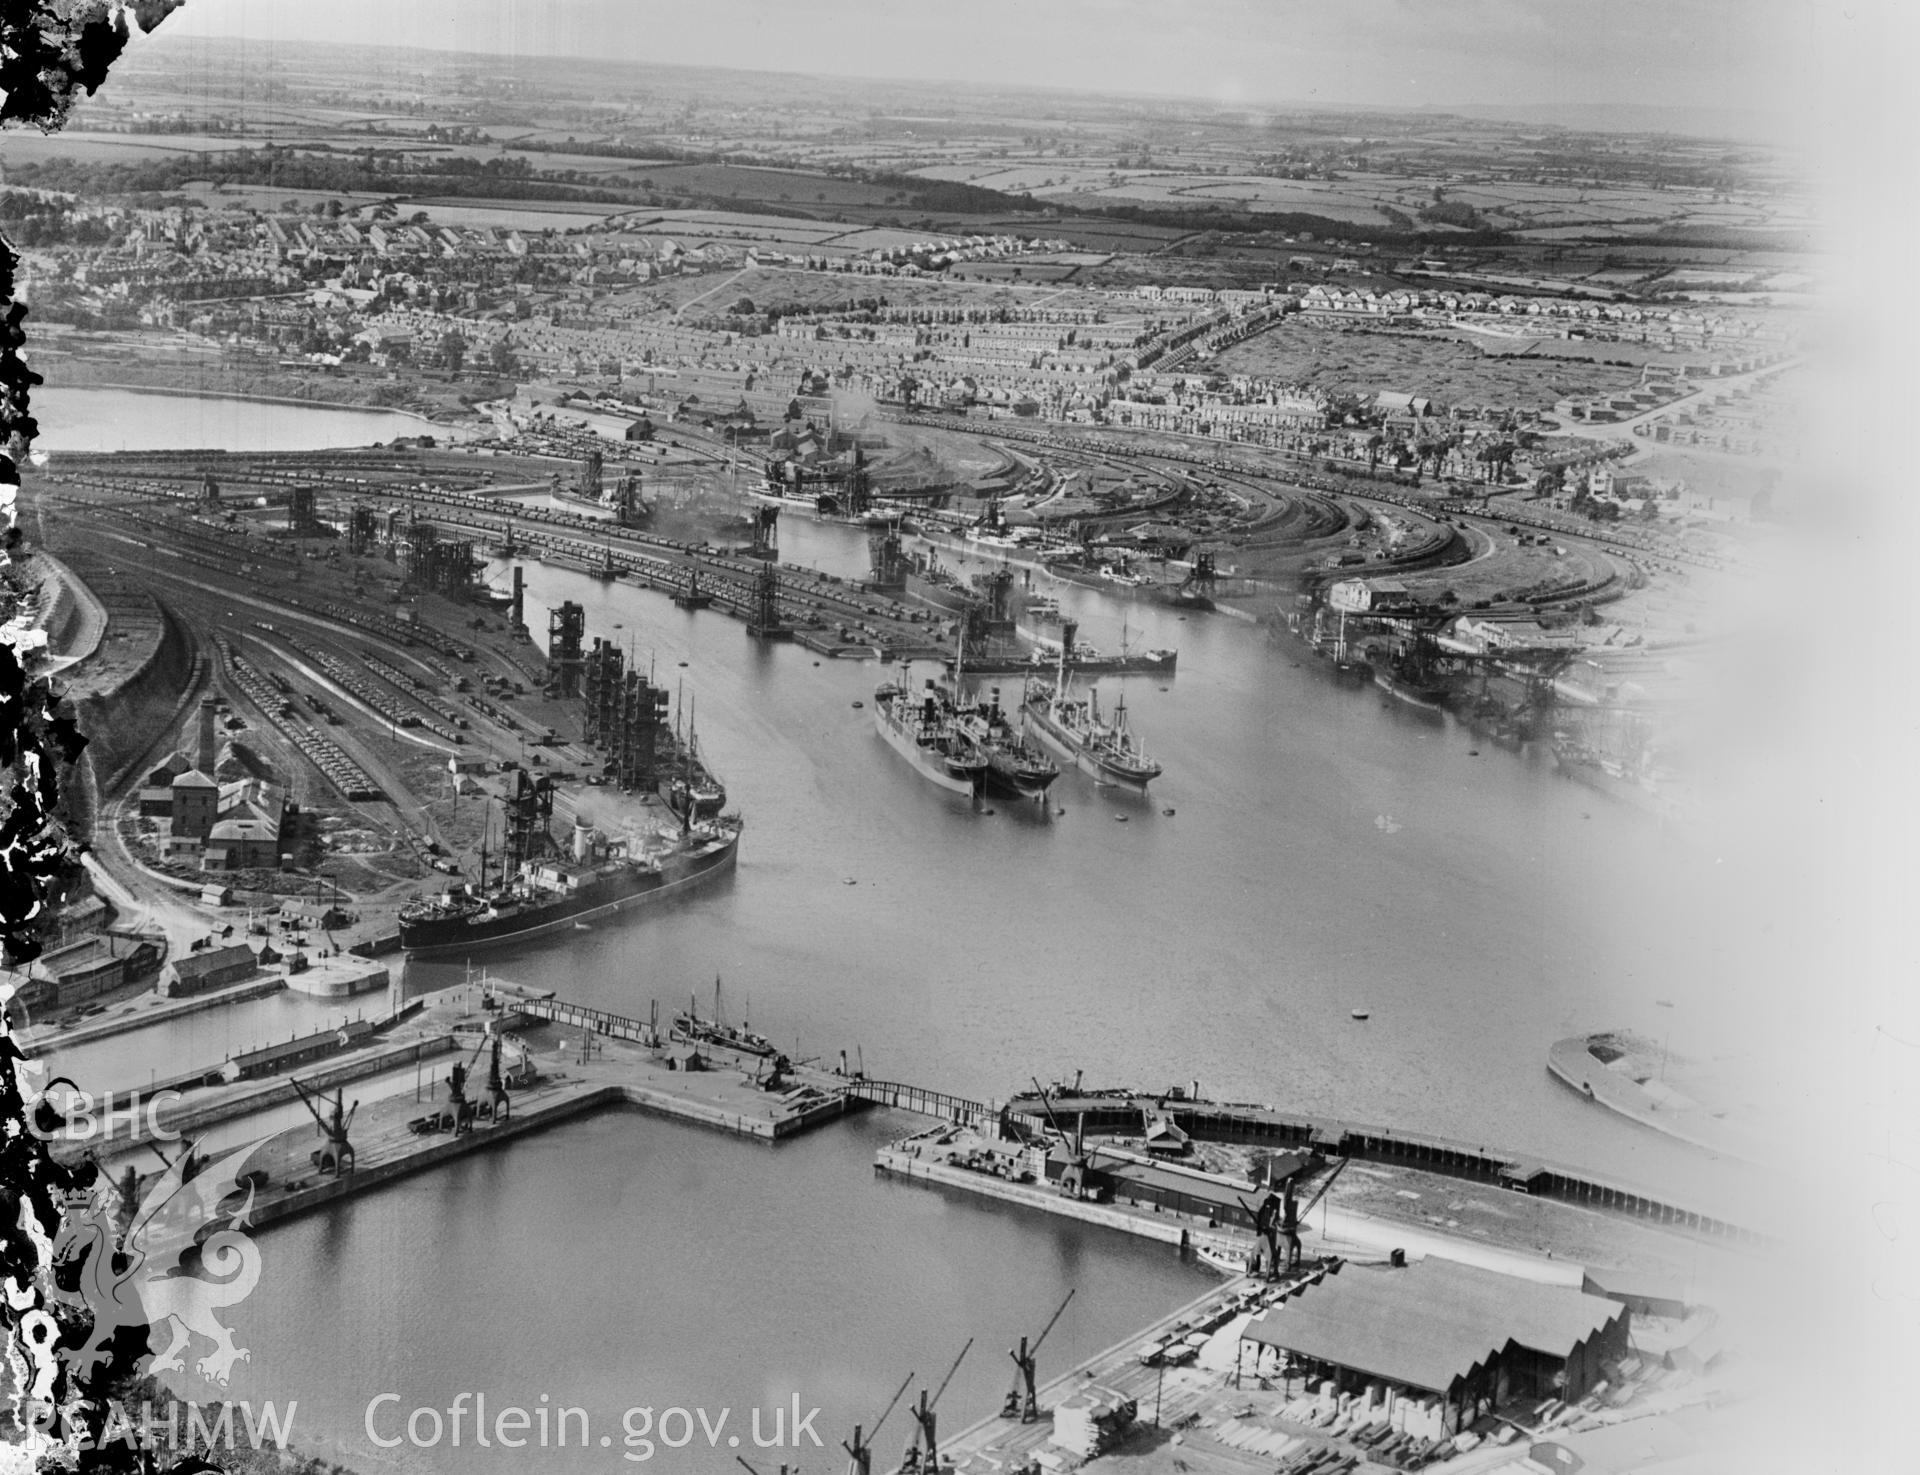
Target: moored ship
{"type": "Point", "coordinates": [924, 729]}
{"type": "Point", "coordinates": [1016, 768]}
{"type": "Point", "coordinates": [691, 788]}
{"type": "Point", "coordinates": [689, 1028]}
{"type": "Point", "coordinates": [543, 891]}
{"type": "Point", "coordinates": [1100, 745]}
{"type": "Point", "coordinates": [623, 500]}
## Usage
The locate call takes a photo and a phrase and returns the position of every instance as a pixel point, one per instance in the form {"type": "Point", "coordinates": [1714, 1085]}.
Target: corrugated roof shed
{"type": "Point", "coordinates": [214, 960]}
{"type": "Point", "coordinates": [1430, 1323]}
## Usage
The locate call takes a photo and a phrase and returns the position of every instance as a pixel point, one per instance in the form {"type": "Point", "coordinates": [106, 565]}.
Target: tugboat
{"type": "Point", "coordinates": [543, 890]}
{"type": "Point", "coordinates": [925, 730]}
{"type": "Point", "coordinates": [1075, 729]}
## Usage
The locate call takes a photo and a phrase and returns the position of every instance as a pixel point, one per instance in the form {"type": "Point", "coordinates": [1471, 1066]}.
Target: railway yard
{"type": "Point", "coordinates": [334, 605]}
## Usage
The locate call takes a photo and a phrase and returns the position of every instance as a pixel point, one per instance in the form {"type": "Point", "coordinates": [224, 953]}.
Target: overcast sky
{"type": "Point", "coordinates": [1694, 53]}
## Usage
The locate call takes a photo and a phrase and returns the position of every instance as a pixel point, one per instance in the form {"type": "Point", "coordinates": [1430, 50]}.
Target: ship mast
{"type": "Point", "coordinates": [486, 834]}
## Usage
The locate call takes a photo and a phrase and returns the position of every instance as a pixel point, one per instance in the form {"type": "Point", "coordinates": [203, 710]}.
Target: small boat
{"type": "Point", "coordinates": [689, 1028]}
{"type": "Point", "coordinates": [1225, 1256]}
{"type": "Point", "coordinates": [1362, 1014]}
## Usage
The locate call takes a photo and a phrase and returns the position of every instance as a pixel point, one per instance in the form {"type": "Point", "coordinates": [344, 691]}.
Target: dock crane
{"type": "Point", "coordinates": [1028, 1409]}
{"type": "Point", "coordinates": [860, 1451]}
{"type": "Point", "coordinates": [1279, 1217]}
{"type": "Point", "coordinates": [1073, 1180]}
{"type": "Point", "coordinates": [460, 1112]}
{"type": "Point", "coordinates": [924, 1420]}
{"type": "Point", "coordinates": [497, 1106]}
{"type": "Point", "coordinates": [337, 1156]}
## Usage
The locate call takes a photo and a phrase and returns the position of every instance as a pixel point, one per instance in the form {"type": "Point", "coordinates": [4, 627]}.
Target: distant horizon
{"type": "Point", "coordinates": [1718, 61]}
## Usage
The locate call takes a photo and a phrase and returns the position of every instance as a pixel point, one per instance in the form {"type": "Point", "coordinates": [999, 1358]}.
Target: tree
{"type": "Point", "coordinates": [453, 350]}
{"type": "Point", "coordinates": [502, 359]}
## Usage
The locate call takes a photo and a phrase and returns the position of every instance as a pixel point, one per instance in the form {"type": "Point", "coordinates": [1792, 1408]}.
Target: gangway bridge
{"type": "Point", "coordinates": [904, 1097]}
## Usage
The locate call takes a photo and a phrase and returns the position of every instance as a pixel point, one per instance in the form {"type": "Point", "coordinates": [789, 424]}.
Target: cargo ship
{"type": "Point", "coordinates": [1426, 693]}
{"type": "Point", "coordinates": [542, 891]}
{"type": "Point", "coordinates": [1016, 768]}
{"type": "Point", "coordinates": [623, 500]}
{"type": "Point", "coordinates": [1412, 677]}
{"type": "Point", "coordinates": [1084, 661]}
{"type": "Point", "coordinates": [1074, 728]}
{"type": "Point", "coordinates": [924, 729]}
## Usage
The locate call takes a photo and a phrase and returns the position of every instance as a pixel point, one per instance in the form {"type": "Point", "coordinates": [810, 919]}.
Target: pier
{"type": "Point", "coordinates": [480, 1082]}
{"type": "Point", "coordinates": [1126, 1114]}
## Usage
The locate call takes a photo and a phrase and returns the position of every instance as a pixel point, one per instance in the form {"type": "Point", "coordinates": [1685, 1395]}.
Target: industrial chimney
{"type": "Point", "coordinates": [205, 759]}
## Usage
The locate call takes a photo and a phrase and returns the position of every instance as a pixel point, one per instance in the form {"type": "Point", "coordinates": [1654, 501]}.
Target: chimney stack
{"type": "Point", "coordinates": [207, 756]}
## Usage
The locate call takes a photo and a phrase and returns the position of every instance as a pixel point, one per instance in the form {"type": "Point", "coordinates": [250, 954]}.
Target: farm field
{"type": "Point", "coordinates": [1443, 369]}
{"type": "Point", "coordinates": [29, 146]}
{"type": "Point", "coordinates": [771, 226]}
{"type": "Point", "coordinates": [267, 197]}
{"type": "Point", "coordinates": [504, 216]}
{"type": "Point", "coordinates": [724, 181]}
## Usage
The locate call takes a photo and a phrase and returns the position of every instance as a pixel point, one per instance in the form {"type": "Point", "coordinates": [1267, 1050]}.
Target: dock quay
{"type": "Point", "coordinates": [1203, 1391]}
{"type": "Point", "coordinates": [1168, 1398]}
{"type": "Point", "coordinates": [498, 1062]}
{"type": "Point", "coordinates": [147, 1009]}
{"type": "Point", "coordinates": [204, 1109]}
{"type": "Point", "coordinates": [1127, 1113]}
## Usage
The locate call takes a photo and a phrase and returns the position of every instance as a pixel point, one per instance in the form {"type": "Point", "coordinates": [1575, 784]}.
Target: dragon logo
{"type": "Point", "coordinates": [190, 1219]}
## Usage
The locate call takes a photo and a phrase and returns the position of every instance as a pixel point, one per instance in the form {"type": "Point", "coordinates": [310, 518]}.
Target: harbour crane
{"type": "Point", "coordinates": [1073, 1180]}
{"type": "Point", "coordinates": [1279, 1217]}
{"type": "Point", "coordinates": [337, 1156]}
{"type": "Point", "coordinates": [460, 1112]}
{"type": "Point", "coordinates": [924, 1420]}
{"type": "Point", "coordinates": [860, 1451]}
{"type": "Point", "coordinates": [1024, 1358]}
{"type": "Point", "coordinates": [497, 1106]}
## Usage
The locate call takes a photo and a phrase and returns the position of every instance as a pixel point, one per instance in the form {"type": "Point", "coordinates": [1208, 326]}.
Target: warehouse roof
{"type": "Point", "coordinates": [214, 960]}
{"type": "Point", "coordinates": [1429, 1323]}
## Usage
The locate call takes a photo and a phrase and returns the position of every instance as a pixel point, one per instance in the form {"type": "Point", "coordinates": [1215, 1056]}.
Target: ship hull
{"type": "Point", "coordinates": [1156, 663]}
{"type": "Point", "coordinates": [1065, 744]}
{"type": "Point", "coordinates": [1425, 698]}
{"type": "Point", "coordinates": [1007, 779]}
{"type": "Point", "coordinates": [453, 937]}
{"type": "Point", "coordinates": [927, 762]}
{"type": "Point", "coordinates": [1008, 785]}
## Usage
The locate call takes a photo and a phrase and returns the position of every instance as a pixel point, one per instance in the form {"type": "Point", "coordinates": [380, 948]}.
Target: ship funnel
{"type": "Point", "coordinates": [582, 840]}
